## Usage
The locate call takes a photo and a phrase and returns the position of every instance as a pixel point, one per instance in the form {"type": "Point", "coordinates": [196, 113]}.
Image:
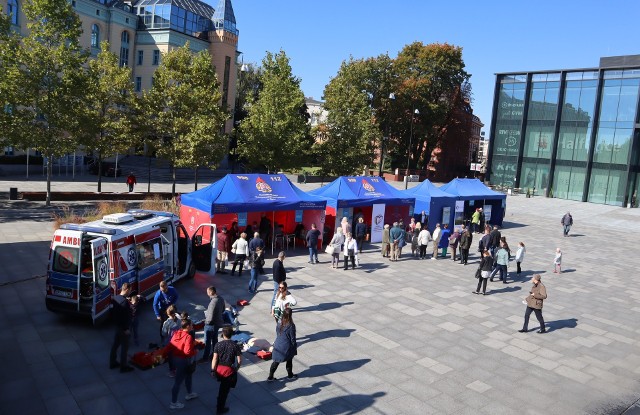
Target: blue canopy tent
{"type": "Point", "coordinates": [435, 202]}
{"type": "Point", "coordinates": [476, 195]}
{"type": "Point", "coordinates": [248, 198]}
{"type": "Point", "coordinates": [365, 196]}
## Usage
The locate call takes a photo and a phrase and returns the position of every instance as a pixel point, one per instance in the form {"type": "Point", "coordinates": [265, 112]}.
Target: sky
{"type": "Point", "coordinates": [496, 36]}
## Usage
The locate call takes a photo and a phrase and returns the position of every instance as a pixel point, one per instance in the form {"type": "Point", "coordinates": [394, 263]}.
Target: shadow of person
{"type": "Point", "coordinates": [335, 367]}
{"type": "Point", "coordinates": [370, 267]}
{"type": "Point", "coordinates": [322, 307]}
{"type": "Point", "coordinates": [300, 286]}
{"type": "Point", "coordinates": [569, 323]}
{"type": "Point", "coordinates": [345, 405]}
{"type": "Point", "coordinates": [311, 389]}
{"type": "Point", "coordinates": [505, 290]}
{"type": "Point", "coordinates": [564, 271]}
{"type": "Point", "coordinates": [325, 335]}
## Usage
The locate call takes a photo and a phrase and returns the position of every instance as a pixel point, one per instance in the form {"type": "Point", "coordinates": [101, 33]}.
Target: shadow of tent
{"type": "Point", "coordinates": [345, 405]}
{"type": "Point", "coordinates": [324, 335]}
{"type": "Point", "coordinates": [569, 323]}
{"type": "Point", "coordinates": [322, 307]}
{"type": "Point", "coordinates": [335, 367]}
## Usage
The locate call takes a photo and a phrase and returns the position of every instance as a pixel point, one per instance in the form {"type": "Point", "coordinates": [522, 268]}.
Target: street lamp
{"type": "Point", "coordinates": [406, 179]}
{"type": "Point", "coordinates": [392, 97]}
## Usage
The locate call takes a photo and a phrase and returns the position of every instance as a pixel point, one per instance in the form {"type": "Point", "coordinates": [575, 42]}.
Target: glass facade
{"type": "Point", "coordinates": [570, 134]}
{"type": "Point", "coordinates": [185, 16]}
{"type": "Point", "coordinates": [12, 11]}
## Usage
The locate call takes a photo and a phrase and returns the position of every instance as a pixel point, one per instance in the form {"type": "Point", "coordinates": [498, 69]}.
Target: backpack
{"type": "Point", "coordinates": [452, 240]}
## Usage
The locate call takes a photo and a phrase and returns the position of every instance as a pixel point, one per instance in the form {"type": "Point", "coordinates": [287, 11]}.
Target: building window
{"type": "Point", "coordinates": [126, 20]}
{"type": "Point", "coordinates": [95, 36]}
{"type": "Point", "coordinates": [97, 12]}
{"type": "Point", "coordinates": [225, 83]}
{"type": "Point", "coordinates": [124, 49]}
{"type": "Point", "coordinates": [153, 79]}
{"type": "Point", "coordinates": [140, 57]}
{"type": "Point", "coordinates": [12, 11]}
{"type": "Point", "coordinates": [138, 83]}
{"type": "Point", "coordinates": [73, 3]}
{"type": "Point", "coordinates": [8, 151]}
{"type": "Point", "coordinates": [156, 57]}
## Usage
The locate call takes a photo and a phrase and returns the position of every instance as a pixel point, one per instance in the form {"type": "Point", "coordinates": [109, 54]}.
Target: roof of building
{"type": "Point", "coordinates": [195, 6]}
{"type": "Point", "coordinates": [224, 18]}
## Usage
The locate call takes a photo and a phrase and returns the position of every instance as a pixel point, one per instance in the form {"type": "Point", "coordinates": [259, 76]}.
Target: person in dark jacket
{"type": "Point", "coordinates": [494, 240]}
{"type": "Point", "coordinates": [465, 244]}
{"type": "Point", "coordinates": [279, 274]}
{"type": "Point", "coordinates": [312, 243]}
{"type": "Point", "coordinates": [254, 244]}
{"type": "Point", "coordinates": [361, 233]}
{"type": "Point", "coordinates": [122, 318]}
{"type": "Point", "coordinates": [227, 359]}
{"type": "Point", "coordinates": [213, 322]}
{"type": "Point", "coordinates": [566, 221]}
{"type": "Point", "coordinates": [224, 246]}
{"type": "Point", "coordinates": [285, 347]}
{"type": "Point", "coordinates": [484, 241]}
{"type": "Point", "coordinates": [444, 240]}
{"type": "Point", "coordinates": [486, 264]}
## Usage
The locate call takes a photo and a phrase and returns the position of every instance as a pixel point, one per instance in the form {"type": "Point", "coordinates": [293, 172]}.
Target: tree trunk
{"type": "Point", "coordinates": [196, 178]}
{"type": "Point", "coordinates": [99, 172]}
{"type": "Point", "coordinates": [149, 175]}
{"type": "Point", "coordinates": [49, 173]}
{"type": "Point", "coordinates": [173, 187]}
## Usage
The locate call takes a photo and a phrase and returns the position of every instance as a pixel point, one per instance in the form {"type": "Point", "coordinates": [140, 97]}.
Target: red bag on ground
{"type": "Point", "coordinates": [242, 302]}
{"type": "Point", "coordinates": [147, 360]}
{"type": "Point", "coordinates": [199, 325]}
{"type": "Point", "coordinates": [264, 355]}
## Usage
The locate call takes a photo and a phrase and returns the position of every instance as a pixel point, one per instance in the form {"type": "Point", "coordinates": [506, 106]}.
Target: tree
{"type": "Point", "coordinates": [9, 44]}
{"type": "Point", "coordinates": [431, 78]}
{"type": "Point", "coordinates": [48, 81]}
{"type": "Point", "coordinates": [275, 132]}
{"type": "Point", "coordinates": [184, 106]}
{"type": "Point", "coordinates": [109, 105]}
{"type": "Point", "coordinates": [350, 128]}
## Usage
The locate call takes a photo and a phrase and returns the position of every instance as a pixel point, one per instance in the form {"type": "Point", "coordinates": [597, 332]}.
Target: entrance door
{"type": "Point", "coordinates": [205, 247]}
{"type": "Point", "coordinates": [101, 290]}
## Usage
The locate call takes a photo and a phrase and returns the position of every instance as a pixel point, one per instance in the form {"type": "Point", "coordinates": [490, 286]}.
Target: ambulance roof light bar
{"type": "Point", "coordinates": [84, 228]}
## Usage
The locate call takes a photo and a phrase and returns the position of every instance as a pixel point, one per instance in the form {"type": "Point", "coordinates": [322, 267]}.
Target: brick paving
{"type": "Point", "coordinates": [388, 338]}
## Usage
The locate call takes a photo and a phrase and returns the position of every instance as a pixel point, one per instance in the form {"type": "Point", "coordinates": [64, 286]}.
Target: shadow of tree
{"type": "Point", "coordinates": [326, 334]}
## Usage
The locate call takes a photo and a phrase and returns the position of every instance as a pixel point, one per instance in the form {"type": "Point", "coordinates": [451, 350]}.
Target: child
{"type": "Point", "coordinates": [134, 302]}
{"type": "Point", "coordinates": [170, 326]}
{"type": "Point", "coordinates": [557, 262]}
{"type": "Point", "coordinates": [520, 257]}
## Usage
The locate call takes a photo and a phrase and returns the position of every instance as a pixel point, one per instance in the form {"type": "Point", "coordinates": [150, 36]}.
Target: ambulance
{"type": "Point", "coordinates": [88, 263]}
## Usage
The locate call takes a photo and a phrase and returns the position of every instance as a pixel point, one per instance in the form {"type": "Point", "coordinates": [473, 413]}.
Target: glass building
{"type": "Point", "coordinates": [570, 134]}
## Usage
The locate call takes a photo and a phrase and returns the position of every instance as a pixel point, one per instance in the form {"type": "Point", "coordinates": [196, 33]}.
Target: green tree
{"type": "Point", "coordinates": [350, 131]}
{"type": "Point", "coordinates": [109, 108]}
{"type": "Point", "coordinates": [9, 45]}
{"type": "Point", "coordinates": [48, 80]}
{"type": "Point", "coordinates": [184, 106]}
{"type": "Point", "coordinates": [430, 78]}
{"type": "Point", "coordinates": [275, 133]}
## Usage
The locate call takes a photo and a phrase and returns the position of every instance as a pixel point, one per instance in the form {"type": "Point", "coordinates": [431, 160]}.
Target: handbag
{"type": "Point", "coordinates": [478, 272]}
{"type": "Point", "coordinates": [350, 252]}
{"type": "Point", "coordinates": [329, 249]}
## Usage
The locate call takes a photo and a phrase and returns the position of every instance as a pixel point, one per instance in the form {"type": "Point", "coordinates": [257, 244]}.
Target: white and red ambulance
{"type": "Point", "coordinates": [88, 263]}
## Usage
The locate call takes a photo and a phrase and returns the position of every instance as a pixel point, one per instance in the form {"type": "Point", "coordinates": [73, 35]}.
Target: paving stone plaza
{"type": "Point", "coordinates": [407, 337]}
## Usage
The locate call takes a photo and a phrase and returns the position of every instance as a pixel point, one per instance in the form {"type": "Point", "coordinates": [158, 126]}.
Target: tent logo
{"type": "Point", "coordinates": [262, 186]}
{"type": "Point", "coordinates": [367, 186]}
{"type": "Point", "coordinates": [378, 219]}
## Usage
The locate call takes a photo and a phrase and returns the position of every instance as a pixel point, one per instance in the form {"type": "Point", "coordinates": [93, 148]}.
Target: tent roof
{"type": "Point", "coordinates": [251, 193]}
{"type": "Point", "coordinates": [471, 189]}
{"type": "Point", "coordinates": [358, 191]}
{"type": "Point", "coordinates": [423, 194]}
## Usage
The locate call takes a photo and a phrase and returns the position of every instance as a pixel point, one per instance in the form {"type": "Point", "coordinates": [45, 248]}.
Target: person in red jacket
{"type": "Point", "coordinates": [224, 246]}
{"type": "Point", "coordinates": [183, 351]}
{"type": "Point", "coordinates": [131, 181]}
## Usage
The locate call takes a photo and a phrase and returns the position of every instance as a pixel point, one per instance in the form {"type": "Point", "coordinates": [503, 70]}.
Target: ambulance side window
{"type": "Point", "coordinates": [65, 260]}
{"type": "Point", "coordinates": [149, 253]}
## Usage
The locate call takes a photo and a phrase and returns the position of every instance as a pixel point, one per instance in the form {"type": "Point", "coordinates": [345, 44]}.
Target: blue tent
{"type": "Point", "coordinates": [251, 193]}
{"type": "Point", "coordinates": [476, 195]}
{"type": "Point", "coordinates": [361, 191]}
{"type": "Point", "coordinates": [434, 202]}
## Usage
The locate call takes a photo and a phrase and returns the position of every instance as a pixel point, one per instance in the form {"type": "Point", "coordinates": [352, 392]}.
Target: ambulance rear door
{"type": "Point", "coordinates": [101, 271]}
{"type": "Point", "coordinates": [63, 277]}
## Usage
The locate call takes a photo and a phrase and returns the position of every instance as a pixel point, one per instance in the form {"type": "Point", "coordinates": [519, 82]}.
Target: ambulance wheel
{"type": "Point", "coordinates": [192, 270]}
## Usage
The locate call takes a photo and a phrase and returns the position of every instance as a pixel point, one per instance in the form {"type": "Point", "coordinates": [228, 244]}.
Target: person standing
{"type": "Point", "coordinates": [475, 221]}
{"type": "Point", "coordinates": [165, 296]}
{"type": "Point", "coordinates": [283, 300]}
{"type": "Point", "coordinates": [397, 236]}
{"type": "Point", "coordinates": [131, 181]}
{"type": "Point", "coordinates": [520, 257]}
{"type": "Point", "coordinates": [336, 243]}
{"type": "Point", "coordinates": [386, 241]}
{"type": "Point", "coordinates": [465, 244]}
{"type": "Point", "coordinates": [534, 301]}
{"type": "Point", "coordinates": [502, 262]}
{"type": "Point", "coordinates": [566, 221]}
{"type": "Point", "coordinates": [436, 240]}
{"type": "Point", "coordinates": [227, 359]}
{"type": "Point", "coordinates": [482, 219]}
{"type": "Point", "coordinates": [484, 241]}
{"type": "Point", "coordinates": [183, 351]}
{"type": "Point", "coordinates": [494, 240]}
{"type": "Point", "coordinates": [224, 246]}
{"type": "Point", "coordinates": [241, 249]}
{"type": "Point", "coordinates": [265, 228]}
{"type": "Point", "coordinates": [557, 262]}
{"type": "Point", "coordinates": [254, 244]}
{"type": "Point", "coordinates": [255, 262]}
{"type": "Point", "coordinates": [350, 251]}
{"type": "Point", "coordinates": [415, 246]}
{"type": "Point", "coordinates": [454, 240]}
{"type": "Point", "coordinates": [122, 318]}
{"type": "Point", "coordinates": [346, 227]}
{"type": "Point", "coordinates": [361, 233]}
{"type": "Point", "coordinates": [279, 274]}
{"type": "Point", "coordinates": [423, 240]}
{"type": "Point", "coordinates": [486, 263]}
{"type": "Point", "coordinates": [285, 347]}
{"type": "Point", "coordinates": [213, 321]}
{"type": "Point", "coordinates": [312, 243]}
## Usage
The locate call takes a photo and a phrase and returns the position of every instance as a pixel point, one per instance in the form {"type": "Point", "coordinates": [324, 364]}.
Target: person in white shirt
{"type": "Point", "coordinates": [423, 240]}
{"type": "Point", "coordinates": [436, 240]}
{"type": "Point", "coordinates": [350, 251]}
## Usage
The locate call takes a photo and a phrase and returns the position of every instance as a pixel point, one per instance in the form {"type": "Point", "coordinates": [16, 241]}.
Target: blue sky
{"type": "Point", "coordinates": [495, 36]}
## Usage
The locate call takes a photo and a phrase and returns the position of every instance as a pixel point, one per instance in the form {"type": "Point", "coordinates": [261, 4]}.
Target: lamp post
{"type": "Point", "coordinates": [406, 180]}
{"type": "Point", "coordinates": [243, 68]}
{"type": "Point", "coordinates": [392, 97]}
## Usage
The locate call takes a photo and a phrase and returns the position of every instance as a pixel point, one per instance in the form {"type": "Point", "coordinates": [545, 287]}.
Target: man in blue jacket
{"type": "Point", "coordinates": [396, 235]}
{"type": "Point", "coordinates": [165, 297]}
